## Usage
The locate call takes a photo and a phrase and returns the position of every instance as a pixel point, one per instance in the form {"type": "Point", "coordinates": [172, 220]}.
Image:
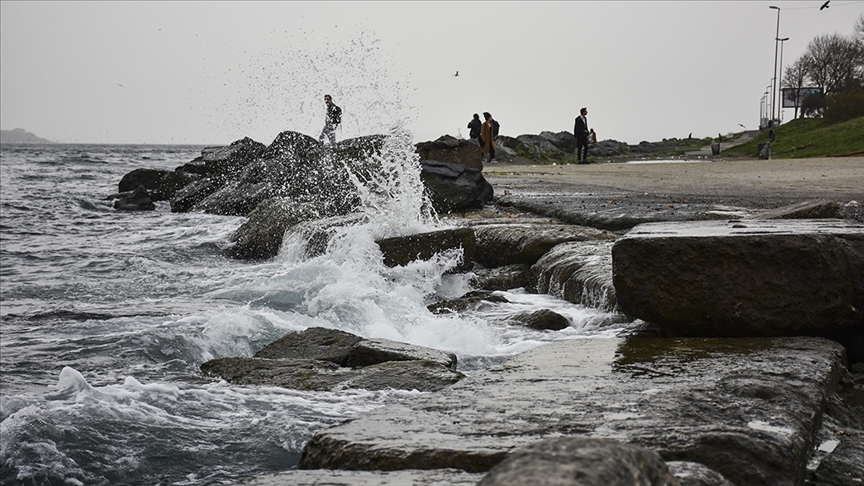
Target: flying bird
{"type": "Point", "coordinates": [825, 5]}
{"type": "Point", "coordinates": [118, 84]}
{"type": "Point", "coordinates": [742, 126]}
{"type": "Point", "coordinates": [456, 75]}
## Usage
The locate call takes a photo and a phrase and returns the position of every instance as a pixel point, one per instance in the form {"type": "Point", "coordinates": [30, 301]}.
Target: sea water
{"type": "Point", "coordinates": [107, 316]}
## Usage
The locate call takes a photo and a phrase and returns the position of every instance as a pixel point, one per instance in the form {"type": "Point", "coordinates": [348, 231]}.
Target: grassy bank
{"type": "Point", "coordinates": [808, 137]}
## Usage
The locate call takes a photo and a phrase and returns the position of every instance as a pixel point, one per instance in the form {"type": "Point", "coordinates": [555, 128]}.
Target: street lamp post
{"type": "Point", "coordinates": [780, 78]}
{"type": "Point", "coordinates": [776, 47]}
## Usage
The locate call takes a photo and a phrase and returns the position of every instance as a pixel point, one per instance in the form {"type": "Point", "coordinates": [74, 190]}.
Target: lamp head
{"type": "Point", "coordinates": [772, 6]}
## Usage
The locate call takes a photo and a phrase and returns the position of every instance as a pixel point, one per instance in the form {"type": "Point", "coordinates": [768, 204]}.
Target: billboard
{"type": "Point", "coordinates": [792, 97]}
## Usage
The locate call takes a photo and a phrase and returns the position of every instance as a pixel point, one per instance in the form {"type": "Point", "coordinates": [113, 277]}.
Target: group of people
{"type": "Point", "coordinates": [483, 132]}
{"type": "Point", "coordinates": [486, 131]}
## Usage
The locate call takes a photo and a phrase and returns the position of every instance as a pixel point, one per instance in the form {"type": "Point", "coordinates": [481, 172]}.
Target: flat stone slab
{"type": "Point", "coordinates": [744, 277]}
{"type": "Point", "coordinates": [746, 408]}
{"type": "Point", "coordinates": [436, 477]}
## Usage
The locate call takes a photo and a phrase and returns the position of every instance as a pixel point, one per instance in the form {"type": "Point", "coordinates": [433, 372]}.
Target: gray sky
{"type": "Point", "coordinates": [213, 72]}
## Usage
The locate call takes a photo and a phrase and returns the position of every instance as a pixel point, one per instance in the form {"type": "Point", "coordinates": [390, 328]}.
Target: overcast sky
{"type": "Point", "coordinates": [213, 72]}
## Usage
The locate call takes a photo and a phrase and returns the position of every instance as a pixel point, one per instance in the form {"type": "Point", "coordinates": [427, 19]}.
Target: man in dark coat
{"type": "Point", "coordinates": [333, 119]}
{"type": "Point", "coordinates": [581, 131]}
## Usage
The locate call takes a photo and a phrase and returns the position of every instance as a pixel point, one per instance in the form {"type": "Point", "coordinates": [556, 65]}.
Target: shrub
{"type": "Point", "coordinates": [844, 106]}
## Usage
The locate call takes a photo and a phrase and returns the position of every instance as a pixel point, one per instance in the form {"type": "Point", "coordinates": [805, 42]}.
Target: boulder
{"type": "Point", "coordinates": [452, 151]}
{"type": "Point", "coordinates": [414, 477]}
{"type": "Point", "coordinates": [173, 182]}
{"type": "Point", "coordinates": [317, 233]}
{"type": "Point", "coordinates": [536, 145]}
{"type": "Point", "coordinates": [235, 199]}
{"type": "Point", "coordinates": [544, 319]}
{"type": "Point", "coordinates": [374, 351]}
{"type": "Point", "coordinates": [503, 278]}
{"type": "Point", "coordinates": [317, 343]}
{"type": "Point", "coordinates": [819, 209]}
{"type": "Point", "coordinates": [746, 408]}
{"type": "Point", "coordinates": [224, 163]}
{"type": "Point", "coordinates": [565, 141]}
{"type": "Point", "coordinates": [582, 461]}
{"type": "Point", "coordinates": [315, 375]}
{"type": "Point", "coordinates": [402, 250]}
{"type": "Point", "coordinates": [696, 474]}
{"type": "Point", "coordinates": [289, 147]}
{"type": "Point", "coordinates": [454, 187]}
{"type": "Point", "coordinates": [744, 278]}
{"type": "Point", "coordinates": [186, 198]}
{"type": "Point", "coordinates": [578, 272]}
{"type": "Point", "coordinates": [469, 300]}
{"type": "Point", "coordinates": [261, 236]}
{"type": "Point", "coordinates": [149, 178]}
{"type": "Point", "coordinates": [137, 200]}
{"type": "Point", "coordinates": [506, 244]}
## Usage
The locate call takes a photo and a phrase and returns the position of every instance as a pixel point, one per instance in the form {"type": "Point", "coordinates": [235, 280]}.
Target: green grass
{"type": "Point", "coordinates": [808, 137]}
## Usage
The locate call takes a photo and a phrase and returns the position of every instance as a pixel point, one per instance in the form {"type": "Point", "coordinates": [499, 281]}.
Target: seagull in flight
{"type": "Point", "coordinates": [118, 84]}
{"type": "Point", "coordinates": [456, 75]}
{"type": "Point", "coordinates": [825, 5]}
{"type": "Point", "coordinates": [742, 126]}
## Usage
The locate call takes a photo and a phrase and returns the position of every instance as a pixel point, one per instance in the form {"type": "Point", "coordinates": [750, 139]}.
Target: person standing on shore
{"type": "Point", "coordinates": [474, 126]}
{"type": "Point", "coordinates": [488, 130]}
{"type": "Point", "coordinates": [331, 121]}
{"type": "Point", "coordinates": [581, 131]}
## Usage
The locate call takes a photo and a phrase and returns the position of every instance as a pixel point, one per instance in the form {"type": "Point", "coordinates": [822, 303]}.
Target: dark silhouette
{"type": "Point", "coordinates": [333, 119]}
{"type": "Point", "coordinates": [580, 129]}
{"type": "Point", "coordinates": [488, 130]}
{"type": "Point", "coordinates": [825, 5]}
{"type": "Point", "coordinates": [474, 125]}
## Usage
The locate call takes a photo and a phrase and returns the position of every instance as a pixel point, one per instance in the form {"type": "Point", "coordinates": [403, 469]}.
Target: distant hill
{"type": "Point", "coordinates": [19, 135]}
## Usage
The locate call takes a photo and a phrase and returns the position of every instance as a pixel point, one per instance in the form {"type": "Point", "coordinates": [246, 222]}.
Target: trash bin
{"type": "Point", "coordinates": [715, 149]}
{"type": "Point", "coordinates": [764, 151]}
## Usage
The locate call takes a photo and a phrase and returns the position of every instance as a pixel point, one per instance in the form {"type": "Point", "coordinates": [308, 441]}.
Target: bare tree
{"type": "Point", "coordinates": [795, 77]}
{"type": "Point", "coordinates": [835, 62]}
{"type": "Point", "coordinates": [859, 28]}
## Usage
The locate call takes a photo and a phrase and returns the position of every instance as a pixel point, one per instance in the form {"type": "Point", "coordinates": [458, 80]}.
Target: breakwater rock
{"type": "Point", "coordinates": [319, 359]}
{"type": "Point", "coordinates": [747, 409]}
{"type": "Point", "coordinates": [746, 278]}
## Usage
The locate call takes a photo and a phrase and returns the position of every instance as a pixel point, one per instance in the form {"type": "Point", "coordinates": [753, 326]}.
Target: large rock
{"type": "Point", "coordinates": [137, 200]}
{"type": "Point", "coordinates": [819, 209]}
{"type": "Point", "coordinates": [454, 187]}
{"type": "Point", "coordinates": [578, 272]}
{"type": "Point", "coordinates": [317, 343]}
{"type": "Point", "coordinates": [452, 151]}
{"type": "Point", "coordinates": [504, 278]}
{"type": "Point", "coordinates": [572, 461]}
{"type": "Point", "coordinates": [745, 408]}
{"type": "Point", "coordinates": [506, 244]}
{"type": "Point", "coordinates": [543, 319]}
{"type": "Point", "coordinates": [401, 250]}
{"type": "Point", "coordinates": [223, 163]}
{"type": "Point", "coordinates": [329, 477]}
{"type": "Point", "coordinates": [314, 375]}
{"type": "Point", "coordinates": [470, 300]}
{"type": "Point", "coordinates": [565, 141]}
{"type": "Point", "coordinates": [374, 351]}
{"type": "Point", "coordinates": [261, 236]}
{"type": "Point", "coordinates": [149, 178]}
{"type": "Point", "coordinates": [745, 278]}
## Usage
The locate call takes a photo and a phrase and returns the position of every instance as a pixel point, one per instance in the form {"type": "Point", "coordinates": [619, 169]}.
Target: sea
{"type": "Point", "coordinates": [107, 316]}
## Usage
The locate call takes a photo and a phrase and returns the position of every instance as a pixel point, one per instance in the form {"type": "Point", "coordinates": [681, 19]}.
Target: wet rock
{"type": "Point", "coordinates": [235, 199]}
{"type": "Point", "coordinates": [746, 278]}
{"type": "Point", "coordinates": [745, 408]}
{"type": "Point", "coordinates": [173, 182]}
{"type": "Point", "coordinates": [317, 343]}
{"type": "Point", "coordinates": [570, 461]}
{"type": "Point", "coordinates": [186, 198]}
{"type": "Point", "coordinates": [374, 351]}
{"type": "Point", "coordinates": [315, 375]}
{"type": "Point", "coordinates": [578, 272]}
{"type": "Point", "coordinates": [820, 209]}
{"type": "Point", "coordinates": [402, 250]}
{"type": "Point", "coordinates": [454, 187]}
{"type": "Point", "coordinates": [506, 244]}
{"type": "Point", "coordinates": [695, 474]}
{"type": "Point", "coordinates": [469, 300]}
{"type": "Point", "coordinates": [544, 319]}
{"type": "Point", "coordinates": [289, 147]}
{"type": "Point", "coordinates": [223, 163]}
{"type": "Point", "coordinates": [503, 278]}
{"type": "Point", "coordinates": [317, 233]}
{"type": "Point", "coordinates": [330, 477]}
{"type": "Point", "coordinates": [452, 151]}
{"type": "Point", "coordinates": [261, 236]}
{"type": "Point", "coordinates": [149, 178]}
{"type": "Point", "coordinates": [137, 200]}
